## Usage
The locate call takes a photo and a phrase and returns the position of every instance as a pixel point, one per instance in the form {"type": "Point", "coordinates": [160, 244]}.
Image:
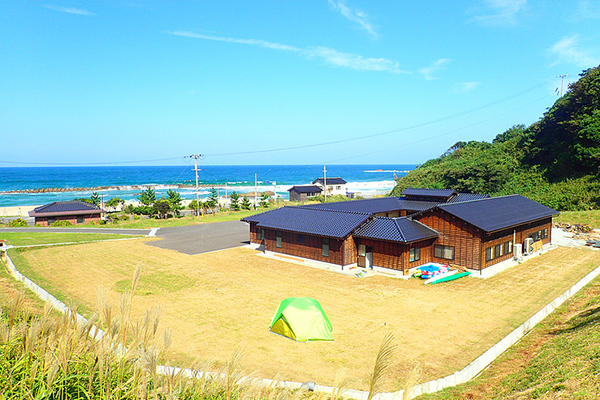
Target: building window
{"type": "Point", "coordinates": [279, 240]}
{"type": "Point", "coordinates": [414, 254]}
{"type": "Point", "coordinates": [489, 254]}
{"type": "Point", "coordinates": [300, 238]}
{"type": "Point", "coordinates": [508, 247]}
{"type": "Point", "coordinates": [325, 247]}
{"type": "Point", "coordinates": [260, 234]}
{"type": "Point", "coordinates": [51, 221]}
{"type": "Point", "coordinates": [362, 250]}
{"type": "Point", "coordinates": [498, 250]}
{"type": "Point", "coordinates": [545, 233]}
{"type": "Point", "coordinates": [446, 252]}
{"type": "Point", "coordinates": [338, 188]}
{"type": "Point", "coordinates": [80, 220]}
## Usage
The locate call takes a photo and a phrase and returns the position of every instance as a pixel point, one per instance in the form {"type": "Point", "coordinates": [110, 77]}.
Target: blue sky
{"type": "Point", "coordinates": [328, 81]}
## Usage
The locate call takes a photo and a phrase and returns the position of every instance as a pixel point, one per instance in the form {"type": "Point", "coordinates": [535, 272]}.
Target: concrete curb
{"type": "Point", "coordinates": [459, 377]}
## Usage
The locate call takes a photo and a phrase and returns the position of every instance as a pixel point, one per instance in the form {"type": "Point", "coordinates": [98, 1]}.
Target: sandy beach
{"type": "Point", "coordinates": [16, 211]}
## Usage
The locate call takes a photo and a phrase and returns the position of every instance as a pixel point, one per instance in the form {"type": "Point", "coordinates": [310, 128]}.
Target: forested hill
{"type": "Point", "coordinates": [555, 161]}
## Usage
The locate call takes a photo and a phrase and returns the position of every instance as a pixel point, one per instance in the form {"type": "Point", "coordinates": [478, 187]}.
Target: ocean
{"type": "Point", "coordinates": [126, 182]}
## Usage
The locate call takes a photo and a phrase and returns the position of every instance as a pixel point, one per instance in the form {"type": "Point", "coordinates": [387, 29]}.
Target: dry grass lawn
{"type": "Point", "coordinates": [217, 302]}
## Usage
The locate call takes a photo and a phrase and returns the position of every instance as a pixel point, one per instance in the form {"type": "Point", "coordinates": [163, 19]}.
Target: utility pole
{"type": "Point", "coordinates": [196, 157]}
{"type": "Point", "coordinates": [562, 81]}
{"type": "Point", "coordinates": [325, 182]}
{"type": "Point", "coordinates": [255, 191]}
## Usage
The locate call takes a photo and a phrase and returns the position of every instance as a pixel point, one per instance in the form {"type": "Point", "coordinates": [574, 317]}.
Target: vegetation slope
{"type": "Point", "coordinates": [555, 161]}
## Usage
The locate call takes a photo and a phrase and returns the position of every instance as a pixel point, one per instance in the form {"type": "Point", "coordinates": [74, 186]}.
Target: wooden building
{"type": "Point", "coordinates": [400, 233]}
{"type": "Point", "coordinates": [76, 212]}
{"type": "Point", "coordinates": [303, 192]}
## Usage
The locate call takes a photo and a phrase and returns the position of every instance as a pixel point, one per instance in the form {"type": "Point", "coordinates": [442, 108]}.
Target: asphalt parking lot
{"type": "Point", "coordinates": [197, 239]}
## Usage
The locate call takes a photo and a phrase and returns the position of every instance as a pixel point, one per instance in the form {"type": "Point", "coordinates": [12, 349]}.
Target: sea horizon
{"type": "Point", "coordinates": [126, 182]}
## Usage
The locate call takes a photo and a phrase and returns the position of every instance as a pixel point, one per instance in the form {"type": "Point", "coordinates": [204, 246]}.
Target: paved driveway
{"type": "Point", "coordinates": [196, 239]}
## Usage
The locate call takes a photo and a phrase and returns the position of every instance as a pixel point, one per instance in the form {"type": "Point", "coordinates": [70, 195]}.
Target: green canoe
{"type": "Point", "coordinates": [451, 277]}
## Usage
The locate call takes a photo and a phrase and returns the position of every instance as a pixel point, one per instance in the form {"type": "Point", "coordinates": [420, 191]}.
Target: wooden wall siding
{"type": "Point", "coordinates": [519, 233]}
{"type": "Point", "coordinates": [311, 248]}
{"type": "Point", "coordinates": [385, 254]}
{"type": "Point", "coordinates": [396, 255]}
{"type": "Point", "coordinates": [350, 251]}
{"type": "Point", "coordinates": [464, 237]}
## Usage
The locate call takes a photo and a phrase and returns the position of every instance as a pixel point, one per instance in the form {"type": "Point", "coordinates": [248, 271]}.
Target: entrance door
{"type": "Point", "coordinates": [369, 257]}
{"type": "Point", "coordinates": [362, 256]}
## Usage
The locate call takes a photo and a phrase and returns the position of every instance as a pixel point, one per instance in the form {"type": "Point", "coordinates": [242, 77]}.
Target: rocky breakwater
{"type": "Point", "coordinates": [101, 188]}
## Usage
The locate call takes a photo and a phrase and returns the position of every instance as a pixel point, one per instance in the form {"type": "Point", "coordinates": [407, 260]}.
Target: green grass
{"type": "Point", "coordinates": [37, 238]}
{"type": "Point", "coordinates": [591, 218]}
{"type": "Point", "coordinates": [156, 283]}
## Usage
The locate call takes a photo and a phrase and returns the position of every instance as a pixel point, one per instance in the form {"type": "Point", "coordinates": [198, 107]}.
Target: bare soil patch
{"type": "Point", "coordinates": [214, 303]}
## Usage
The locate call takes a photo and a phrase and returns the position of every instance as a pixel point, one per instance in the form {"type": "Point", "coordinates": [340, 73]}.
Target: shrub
{"type": "Point", "coordinates": [61, 223]}
{"type": "Point", "coordinates": [18, 223]}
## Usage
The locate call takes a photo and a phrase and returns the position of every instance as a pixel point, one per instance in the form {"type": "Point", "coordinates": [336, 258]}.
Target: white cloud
{"type": "Point", "coordinates": [70, 10]}
{"type": "Point", "coordinates": [568, 51]}
{"type": "Point", "coordinates": [327, 55]}
{"type": "Point", "coordinates": [353, 15]}
{"type": "Point", "coordinates": [464, 87]}
{"type": "Point", "coordinates": [498, 12]}
{"type": "Point", "coordinates": [436, 66]}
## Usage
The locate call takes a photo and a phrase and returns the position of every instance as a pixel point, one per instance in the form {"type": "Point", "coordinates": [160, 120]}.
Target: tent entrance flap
{"type": "Point", "coordinates": [282, 328]}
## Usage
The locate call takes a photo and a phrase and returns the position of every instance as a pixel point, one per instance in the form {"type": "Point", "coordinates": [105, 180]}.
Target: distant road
{"type": "Point", "coordinates": [203, 238]}
{"type": "Point", "coordinates": [80, 230]}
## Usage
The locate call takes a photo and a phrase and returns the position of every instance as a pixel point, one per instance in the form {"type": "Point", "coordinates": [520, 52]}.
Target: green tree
{"type": "Point", "coordinates": [566, 141]}
{"type": "Point", "coordinates": [264, 200]}
{"type": "Point", "coordinates": [246, 205]}
{"type": "Point", "coordinates": [95, 199]}
{"type": "Point", "coordinates": [174, 199]}
{"type": "Point", "coordinates": [235, 201]}
{"type": "Point", "coordinates": [194, 206]}
{"type": "Point", "coordinates": [213, 199]}
{"type": "Point", "coordinates": [147, 197]}
{"type": "Point", "coordinates": [162, 208]}
{"type": "Point", "coordinates": [114, 203]}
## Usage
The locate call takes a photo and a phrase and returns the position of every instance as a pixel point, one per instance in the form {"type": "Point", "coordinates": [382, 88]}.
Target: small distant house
{"type": "Point", "coordinates": [335, 185]}
{"type": "Point", "coordinates": [75, 211]}
{"type": "Point", "coordinates": [302, 193]}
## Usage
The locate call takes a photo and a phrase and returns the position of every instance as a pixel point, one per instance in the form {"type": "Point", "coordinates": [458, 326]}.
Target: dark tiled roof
{"type": "Point", "coordinates": [442, 193]}
{"type": "Point", "coordinates": [395, 230]}
{"type": "Point", "coordinates": [416, 205]}
{"type": "Point", "coordinates": [331, 181]}
{"type": "Point", "coordinates": [496, 213]}
{"type": "Point", "coordinates": [305, 189]}
{"type": "Point", "coordinates": [65, 208]}
{"type": "Point", "coordinates": [378, 205]}
{"type": "Point", "coordinates": [371, 206]}
{"type": "Point", "coordinates": [467, 197]}
{"type": "Point", "coordinates": [312, 221]}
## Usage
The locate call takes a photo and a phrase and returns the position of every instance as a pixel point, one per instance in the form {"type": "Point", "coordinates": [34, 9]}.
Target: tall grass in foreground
{"type": "Point", "coordinates": [54, 357]}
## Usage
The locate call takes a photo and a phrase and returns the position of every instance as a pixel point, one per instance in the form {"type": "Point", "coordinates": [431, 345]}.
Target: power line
{"type": "Point", "coordinates": [415, 126]}
{"type": "Point", "coordinates": [439, 135]}
{"type": "Point", "coordinates": [420, 125]}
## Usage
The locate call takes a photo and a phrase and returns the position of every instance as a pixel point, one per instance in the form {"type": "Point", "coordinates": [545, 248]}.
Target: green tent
{"type": "Point", "coordinates": [301, 319]}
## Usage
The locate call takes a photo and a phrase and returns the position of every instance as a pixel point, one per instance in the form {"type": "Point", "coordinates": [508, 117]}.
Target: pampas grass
{"type": "Point", "coordinates": [383, 362]}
